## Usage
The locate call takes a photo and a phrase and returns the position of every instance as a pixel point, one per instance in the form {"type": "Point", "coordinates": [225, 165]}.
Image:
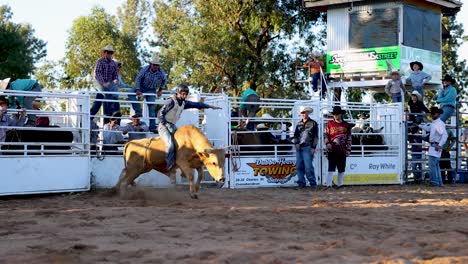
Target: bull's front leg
{"type": "Point", "coordinates": [199, 179]}
{"type": "Point", "coordinates": [188, 172]}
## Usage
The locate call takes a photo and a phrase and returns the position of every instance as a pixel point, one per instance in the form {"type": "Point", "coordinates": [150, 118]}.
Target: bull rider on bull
{"type": "Point", "coordinates": [168, 116]}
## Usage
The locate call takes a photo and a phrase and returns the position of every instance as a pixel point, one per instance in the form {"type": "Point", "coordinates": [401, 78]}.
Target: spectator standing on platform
{"type": "Point", "coordinates": [418, 77]}
{"type": "Point", "coordinates": [447, 97]}
{"type": "Point", "coordinates": [136, 129]}
{"type": "Point", "coordinates": [305, 140]}
{"type": "Point", "coordinates": [26, 102]}
{"type": "Point", "coordinates": [314, 66]}
{"type": "Point", "coordinates": [120, 82]}
{"type": "Point", "coordinates": [437, 138]}
{"type": "Point", "coordinates": [150, 83]}
{"type": "Point", "coordinates": [6, 120]}
{"type": "Point", "coordinates": [395, 88]}
{"type": "Point", "coordinates": [338, 143]}
{"type": "Point", "coordinates": [106, 80]}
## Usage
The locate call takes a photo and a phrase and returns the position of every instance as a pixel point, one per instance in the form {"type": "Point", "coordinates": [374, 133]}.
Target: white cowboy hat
{"type": "Point", "coordinates": [261, 126]}
{"type": "Point", "coordinates": [417, 95]}
{"type": "Point", "coordinates": [4, 83]}
{"type": "Point", "coordinates": [306, 109]}
{"type": "Point", "coordinates": [108, 48]}
{"type": "Point", "coordinates": [155, 60]}
{"type": "Point", "coordinates": [267, 116]}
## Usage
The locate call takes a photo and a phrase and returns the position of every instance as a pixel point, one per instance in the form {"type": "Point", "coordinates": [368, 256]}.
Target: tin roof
{"type": "Point", "coordinates": [449, 7]}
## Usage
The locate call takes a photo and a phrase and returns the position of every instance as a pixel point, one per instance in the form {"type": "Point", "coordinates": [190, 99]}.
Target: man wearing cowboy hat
{"type": "Point", "coordinates": [150, 81]}
{"type": "Point", "coordinates": [26, 102]}
{"type": "Point", "coordinates": [338, 143]}
{"type": "Point", "coordinates": [418, 78]}
{"type": "Point", "coordinates": [447, 97]}
{"type": "Point", "coordinates": [6, 120]}
{"type": "Point", "coordinates": [106, 80]}
{"type": "Point", "coordinates": [395, 87]}
{"type": "Point", "coordinates": [305, 139]}
{"type": "Point", "coordinates": [437, 138]}
{"type": "Point", "coordinates": [416, 108]}
{"type": "Point", "coordinates": [136, 129]}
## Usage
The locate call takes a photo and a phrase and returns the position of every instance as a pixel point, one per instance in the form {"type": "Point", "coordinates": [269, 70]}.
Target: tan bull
{"type": "Point", "coordinates": [193, 151]}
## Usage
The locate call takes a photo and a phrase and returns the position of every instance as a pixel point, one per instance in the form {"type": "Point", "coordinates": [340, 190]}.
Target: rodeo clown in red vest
{"type": "Point", "coordinates": [338, 142]}
{"type": "Point", "coordinates": [169, 114]}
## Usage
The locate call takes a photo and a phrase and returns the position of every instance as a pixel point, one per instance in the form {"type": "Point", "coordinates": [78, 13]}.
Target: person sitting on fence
{"type": "Point", "coordinates": [249, 110]}
{"type": "Point", "coordinates": [418, 78]}
{"type": "Point", "coordinates": [417, 109]}
{"type": "Point", "coordinates": [314, 66]}
{"type": "Point", "coordinates": [447, 97]}
{"type": "Point", "coordinates": [168, 116]}
{"type": "Point", "coordinates": [136, 129]}
{"type": "Point", "coordinates": [112, 135]}
{"type": "Point", "coordinates": [6, 121]}
{"type": "Point", "coordinates": [150, 81]}
{"type": "Point", "coordinates": [395, 87]}
{"type": "Point", "coordinates": [106, 80]}
{"type": "Point", "coordinates": [25, 102]}
{"type": "Point", "coordinates": [41, 120]}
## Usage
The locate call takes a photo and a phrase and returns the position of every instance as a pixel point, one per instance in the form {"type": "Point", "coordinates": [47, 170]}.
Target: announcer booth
{"type": "Point", "coordinates": [366, 40]}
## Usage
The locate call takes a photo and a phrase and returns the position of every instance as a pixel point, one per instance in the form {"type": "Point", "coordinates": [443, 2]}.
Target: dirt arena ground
{"type": "Point", "coordinates": [373, 224]}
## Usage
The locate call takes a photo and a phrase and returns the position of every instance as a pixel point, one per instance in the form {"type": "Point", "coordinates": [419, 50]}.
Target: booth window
{"type": "Point", "coordinates": [374, 28]}
{"type": "Point", "coordinates": [422, 28]}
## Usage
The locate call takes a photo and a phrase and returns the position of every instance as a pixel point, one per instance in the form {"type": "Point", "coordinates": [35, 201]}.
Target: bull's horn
{"type": "Point", "coordinates": [208, 150]}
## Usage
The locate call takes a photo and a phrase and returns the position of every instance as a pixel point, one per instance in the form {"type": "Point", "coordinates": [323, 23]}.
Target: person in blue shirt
{"type": "Point", "coordinates": [26, 102]}
{"type": "Point", "coordinates": [149, 83]}
{"type": "Point", "coordinates": [168, 116]}
{"type": "Point", "coordinates": [249, 110]}
{"type": "Point", "coordinates": [418, 77]}
{"type": "Point", "coordinates": [447, 97]}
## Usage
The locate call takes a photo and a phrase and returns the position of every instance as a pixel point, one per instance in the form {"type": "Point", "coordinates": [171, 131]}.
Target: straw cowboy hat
{"type": "Point", "coordinates": [306, 109]}
{"type": "Point", "coordinates": [4, 83]}
{"type": "Point", "coordinates": [155, 60]}
{"type": "Point", "coordinates": [421, 66]}
{"type": "Point", "coordinates": [108, 48]}
{"type": "Point", "coordinates": [417, 95]}
{"type": "Point", "coordinates": [337, 110]}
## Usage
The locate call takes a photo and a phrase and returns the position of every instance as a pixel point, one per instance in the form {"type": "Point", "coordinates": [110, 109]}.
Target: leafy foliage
{"type": "Point", "coordinates": [229, 45]}
{"type": "Point", "coordinates": [19, 48]}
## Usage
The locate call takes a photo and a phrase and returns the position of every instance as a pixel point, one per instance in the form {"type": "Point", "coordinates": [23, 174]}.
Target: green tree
{"type": "Point", "coordinates": [19, 48]}
{"type": "Point", "coordinates": [451, 64]}
{"type": "Point", "coordinates": [87, 36]}
{"type": "Point", "coordinates": [227, 45]}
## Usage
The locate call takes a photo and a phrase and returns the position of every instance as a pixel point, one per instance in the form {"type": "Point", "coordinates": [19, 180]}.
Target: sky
{"type": "Point", "coordinates": [52, 19]}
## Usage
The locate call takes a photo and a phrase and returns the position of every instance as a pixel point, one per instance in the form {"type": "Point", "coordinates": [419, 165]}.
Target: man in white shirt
{"type": "Point", "coordinates": [437, 138]}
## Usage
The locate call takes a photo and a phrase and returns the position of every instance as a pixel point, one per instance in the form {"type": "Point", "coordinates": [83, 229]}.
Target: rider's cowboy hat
{"type": "Point", "coordinates": [4, 83]}
{"type": "Point", "coordinates": [108, 48]}
{"type": "Point", "coordinates": [337, 110]}
{"type": "Point", "coordinates": [155, 60]}
{"type": "Point", "coordinates": [417, 95]}
{"type": "Point", "coordinates": [421, 66]}
{"type": "Point", "coordinates": [307, 109]}
{"type": "Point", "coordinates": [261, 126]}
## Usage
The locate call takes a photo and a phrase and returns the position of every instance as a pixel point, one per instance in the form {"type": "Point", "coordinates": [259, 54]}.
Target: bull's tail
{"type": "Point", "coordinates": [124, 154]}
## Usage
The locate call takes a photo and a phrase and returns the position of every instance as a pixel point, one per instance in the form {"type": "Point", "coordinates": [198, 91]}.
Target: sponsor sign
{"type": "Point", "coordinates": [256, 172]}
{"type": "Point", "coordinates": [432, 62]}
{"type": "Point", "coordinates": [371, 170]}
{"type": "Point", "coordinates": [364, 62]}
